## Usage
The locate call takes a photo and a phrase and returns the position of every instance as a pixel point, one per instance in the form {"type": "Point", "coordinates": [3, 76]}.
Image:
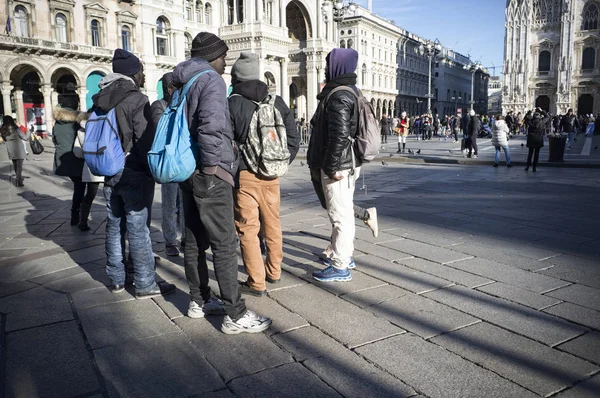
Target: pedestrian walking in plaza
{"type": "Point", "coordinates": [257, 197]}
{"type": "Point", "coordinates": [500, 140]}
{"type": "Point", "coordinates": [67, 163]}
{"type": "Point", "coordinates": [569, 124]}
{"type": "Point", "coordinates": [171, 200]}
{"type": "Point", "coordinates": [402, 127]}
{"type": "Point", "coordinates": [473, 130]}
{"type": "Point", "coordinates": [536, 125]}
{"type": "Point", "coordinates": [590, 125]}
{"type": "Point", "coordinates": [127, 193]}
{"type": "Point", "coordinates": [331, 158]}
{"type": "Point", "coordinates": [384, 126]}
{"type": "Point", "coordinates": [208, 193]}
{"type": "Point", "coordinates": [14, 137]}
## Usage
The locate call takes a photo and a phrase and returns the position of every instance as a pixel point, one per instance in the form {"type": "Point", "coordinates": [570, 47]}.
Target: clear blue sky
{"type": "Point", "coordinates": [474, 27]}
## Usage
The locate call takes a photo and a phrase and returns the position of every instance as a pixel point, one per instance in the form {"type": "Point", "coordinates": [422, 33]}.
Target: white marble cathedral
{"type": "Point", "coordinates": [551, 54]}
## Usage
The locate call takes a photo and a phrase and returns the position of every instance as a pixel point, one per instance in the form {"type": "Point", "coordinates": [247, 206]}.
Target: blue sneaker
{"type": "Point", "coordinates": [327, 262]}
{"type": "Point", "coordinates": [331, 274]}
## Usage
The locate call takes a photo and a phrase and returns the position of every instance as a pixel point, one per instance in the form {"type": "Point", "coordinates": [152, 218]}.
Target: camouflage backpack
{"type": "Point", "coordinates": [265, 150]}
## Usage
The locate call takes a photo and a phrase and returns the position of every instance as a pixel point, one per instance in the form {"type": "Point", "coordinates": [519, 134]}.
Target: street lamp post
{"type": "Point", "coordinates": [473, 68]}
{"type": "Point", "coordinates": [431, 51]}
{"type": "Point", "coordinates": [339, 9]}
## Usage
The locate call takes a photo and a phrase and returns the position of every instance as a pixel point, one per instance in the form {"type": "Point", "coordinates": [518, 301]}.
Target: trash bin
{"type": "Point", "coordinates": [557, 148]}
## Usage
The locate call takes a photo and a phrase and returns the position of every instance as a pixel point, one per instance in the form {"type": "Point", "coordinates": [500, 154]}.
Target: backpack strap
{"type": "Point", "coordinates": [183, 91]}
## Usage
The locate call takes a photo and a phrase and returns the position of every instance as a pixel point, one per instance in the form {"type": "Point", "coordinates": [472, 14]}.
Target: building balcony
{"type": "Point", "coordinates": [254, 29]}
{"type": "Point", "coordinates": [34, 46]}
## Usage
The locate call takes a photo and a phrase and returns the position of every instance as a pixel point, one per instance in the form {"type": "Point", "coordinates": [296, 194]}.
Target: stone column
{"type": "Point", "coordinates": [18, 96]}
{"type": "Point", "coordinates": [82, 91]}
{"type": "Point", "coordinates": [282, 14]}
{"type": "Point", "coordinates": [285, 88]}
{"type": "Point", "coordinates": [259, 10]}
{"type": "Point", "coordinates": [47, 91]}
{"type": "Point", "coordinates": [6, 89]}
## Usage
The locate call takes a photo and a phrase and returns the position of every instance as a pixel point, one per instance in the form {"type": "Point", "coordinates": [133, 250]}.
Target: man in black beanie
{"type": "Point", "coordinates": [130, 191]}
{"type": "Point", "coordinates": [208, 193]}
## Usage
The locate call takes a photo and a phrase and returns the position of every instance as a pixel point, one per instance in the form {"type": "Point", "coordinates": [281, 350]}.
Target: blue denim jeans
{"type": "Point", "coordinates": [172, 213]}
{"type": "Point", "coordinates": [126, 202]}
{"type": "Point", "coordinates": [506, 153]}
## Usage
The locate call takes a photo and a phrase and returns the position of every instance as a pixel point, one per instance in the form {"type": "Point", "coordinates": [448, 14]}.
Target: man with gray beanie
{"type": "Point", "coordinates": [129, 192]}
{"type": "Point", "coordinates": [207, 194]}
{"type": "Point", "coordinates": [257, 198]}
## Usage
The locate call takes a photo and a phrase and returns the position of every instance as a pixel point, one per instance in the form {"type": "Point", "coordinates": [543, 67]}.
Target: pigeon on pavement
{"type": "Point", "coordinates": [522, 144]}
{"type": "Point", "coordinates": [418, 152]}
{"type": "Point", "coordinates": [302, 163]}
{"type": "Point", "coordinates": [383, 162]}
{"type": "Point", "coordinates": [410, 151]}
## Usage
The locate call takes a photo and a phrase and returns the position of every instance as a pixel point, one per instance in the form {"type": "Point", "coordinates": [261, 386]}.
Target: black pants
{"type": "Point", "coordinates": [455, 135]}
{"type": "Point", "coordinates": [472, 144]}
{"type": "Point", "coordinates": [535, 152]}
{"type": "Point", "coordinates": [383, 137]}
{"type": "Point", "coordinates": [80, 195]}
{"type": "Point", "coordinates": [18, 166]}
{"type": "Point", "coordinates": [208, 209]}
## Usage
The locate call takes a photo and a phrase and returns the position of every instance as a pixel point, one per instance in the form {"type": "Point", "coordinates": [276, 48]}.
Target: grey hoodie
{"type": "Point", "coordinates": [208, 119]}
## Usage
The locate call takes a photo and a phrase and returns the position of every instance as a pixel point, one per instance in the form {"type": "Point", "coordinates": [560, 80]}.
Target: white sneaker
{"type": "Point", "coordinates": [475, 156]}
{"type": "Point", "coordinates": [372, 221]}
{"type": "Point", "coordinates": [213, 306]}
{"type": "Point", "coordinates": [249, 323]}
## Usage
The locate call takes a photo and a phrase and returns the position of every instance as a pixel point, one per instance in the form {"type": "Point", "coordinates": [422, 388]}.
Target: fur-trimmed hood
{"type": "Point", "coordinates": [68, 115]}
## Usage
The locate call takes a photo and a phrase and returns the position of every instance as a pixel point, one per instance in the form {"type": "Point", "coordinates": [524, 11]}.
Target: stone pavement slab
{"type": "Point", "coordinates": [49, 361]}
{"type": "Point", "coordinates": [35, 307]}
{"type": "Point", "coordinates": [360, 281]}
{"type": "Point", "coordinates": [427, 251]}
{"type": "Point", "coordinates": [115, 323]}
{"type": "Point", "coordinates": [444, 271]}
{"type": "Point", "coordinates": [83, 281]}
{"type": "Point", "coordinates": [338, 318]}
{"type": "Point", "coordinates": [436, 372]}
{"type": "Point", "coordinates": [380, 251]}
{"type": "Point", "coordinates": [494, 253]}
{"type": "Point", "coordinates": [400, 275]}
{"type": "Point", "coordinates": [539, 326]}
{"type": "Point", "coordinates": [232, 356]}
{"type": "Point", "coordinates": [159, 366]}
{"type": "Point", "coordinates": [422, 316]}
{"type": "Point", "coordinates": [586, 389]}
{"type": "Point", "coordinates": [518, 295]}
{"type": "Point", "coordinates": [374, 295]}
{"type": "Point", "coordinates": [510, 275]}
{"type": "Point", "coordinates": [579, 294]}
{"type": "Point", "coordinates": [37, 264]}
{"type": "Point", "coordinates": [16, 287]}
{"type": "Point", "coordinates": [283, 320]}
{"type": "Point", "coordinates": [342, 369]}
{"type": "Point", "coordinates": [100, 296]}
{"type": "Point", "coordinates": [292, 380]}
{"type": "Point", "coordinates": [586, 346]}
{"type": "Point", "coordinates": [580, 275]}
{"type": "Point", "coordinates": [577, 314]}
{"type": "Point", "coordinates": [528, 363]}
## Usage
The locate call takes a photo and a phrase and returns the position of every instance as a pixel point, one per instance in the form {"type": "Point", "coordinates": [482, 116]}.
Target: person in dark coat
{"type": "Point", "coordinates": [536, 125]}
{"type": "Point", "coordinates": [14, 137]}
{"type": "Point", "coordinates": [66, 164]}
{"type": "Point", "coordinates": [472, 131]}
{"type": "Point", "coordinates": [384, 126]}
{"type": "Point", "coordinates": [570, 124]}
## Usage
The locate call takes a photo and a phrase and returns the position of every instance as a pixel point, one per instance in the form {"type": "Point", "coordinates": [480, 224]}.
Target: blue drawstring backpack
{"type": "Point", "coordinates": [102, 149]}
{"type": "Point", "coordinates": [172, 157]}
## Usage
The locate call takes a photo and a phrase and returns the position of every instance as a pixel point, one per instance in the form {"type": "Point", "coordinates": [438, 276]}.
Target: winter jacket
{"type": "Point", "coordinates": [14, 139]}
{"type": "Point", "coordinates": [242, 108]}
{"type": "Point", "coordinates": [384, 125]}
{"type": "Point", "coordinates": [63, 136]}
{"type": "Point", "coordinates": [334, 122]}
{"type": "Point", "coordinates": [474, 127]}
{"type": "Point", "coordinates": [208, 118]}
{"type": "Point", "coordinates": [569, 123]}
{"type": "Point", "coordinates": [403, 126]}
{"type": "Point", "coordinates": [500, 133]}
{"type": "Point", "coordinates": [464, 123]}
{"type": "Point", "coordinates": [133, 115]}
{"type": "Point", "coordinates": [157, 109]}
{"type": "Point", "coordinates": [536, 128]}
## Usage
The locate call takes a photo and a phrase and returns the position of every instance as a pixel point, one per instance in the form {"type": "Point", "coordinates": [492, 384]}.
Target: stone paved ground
{"type": "Point", "coordinates": [483, 283]}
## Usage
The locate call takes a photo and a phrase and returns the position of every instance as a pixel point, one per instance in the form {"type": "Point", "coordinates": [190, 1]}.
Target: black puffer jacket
{"type": "Point", "coordinates": [568, 123]}
{"type": "Point", "coordinates": [537, 124]}
{"type": "Point", "coordinates": [474, 126]}
{"type": "Point", "coordinates": [334, 122]}
{"type": "Point", "coordinates": [242, 108]}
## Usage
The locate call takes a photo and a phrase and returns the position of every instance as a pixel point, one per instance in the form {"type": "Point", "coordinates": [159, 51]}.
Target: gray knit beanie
{"type": "Point", "coordinates": [245, 68]}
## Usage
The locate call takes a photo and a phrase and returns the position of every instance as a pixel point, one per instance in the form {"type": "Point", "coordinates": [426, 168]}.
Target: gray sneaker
{"type": "Point", "coordinates": [249, 323]}
{"type": "Point", "coordinates": [213, 306]}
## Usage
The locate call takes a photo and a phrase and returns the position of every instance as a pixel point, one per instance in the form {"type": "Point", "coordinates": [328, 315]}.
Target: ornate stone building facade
{"type": "Point", "coordinates": [551, 54]}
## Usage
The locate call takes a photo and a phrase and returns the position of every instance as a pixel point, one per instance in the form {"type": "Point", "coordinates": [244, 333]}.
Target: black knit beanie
{"type": "Point", "coordinates": [208, 46]}
{"type": "Point", "coordinates": [125, 63]}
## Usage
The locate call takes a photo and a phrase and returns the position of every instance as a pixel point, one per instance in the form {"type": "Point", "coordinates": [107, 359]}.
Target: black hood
{"type": "Point", "coordinates": [254, 90]}
{"type": "Point", "coordinates": [113, 94]}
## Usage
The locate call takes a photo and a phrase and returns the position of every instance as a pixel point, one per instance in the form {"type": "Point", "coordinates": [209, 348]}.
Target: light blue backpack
{"type": "Point", "coordinates": [102, 149]}
{"type": "Point", "coordinates": [172, 157]}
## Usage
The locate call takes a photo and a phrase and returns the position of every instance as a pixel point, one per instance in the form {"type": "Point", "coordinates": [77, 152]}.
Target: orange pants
{"type": "Point", "coordinates": [257, 203]}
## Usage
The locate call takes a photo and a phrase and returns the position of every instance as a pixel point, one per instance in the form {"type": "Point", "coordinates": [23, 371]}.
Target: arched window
{"type": "Point", "coordinates": [126, 38]}
{"type": "Point", "coordinates": [544, 61]}
{"type": "Point", "coordinates": [60, 22]}
{"type": "Point", "coordinates": [199, 11]}
{"type": "Point", "coordinates": [162, 38]}
{"type": "Point", "coordinates": [342, 43]}
{"type": "Point", "coordinates": [590, 17]}
{"type": "Point", "coordinates": [95, 27]}
{"type": "Point", "coordinates": [208, 14]}
{"type": "Point", "coordinates": [188, 44]}
{"type": "Point", "coordinates": [350, 43]}
{"type": "Point", "coordinates": [588, 59]}
{"type": "Point", "coordinates": [22, 21]}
